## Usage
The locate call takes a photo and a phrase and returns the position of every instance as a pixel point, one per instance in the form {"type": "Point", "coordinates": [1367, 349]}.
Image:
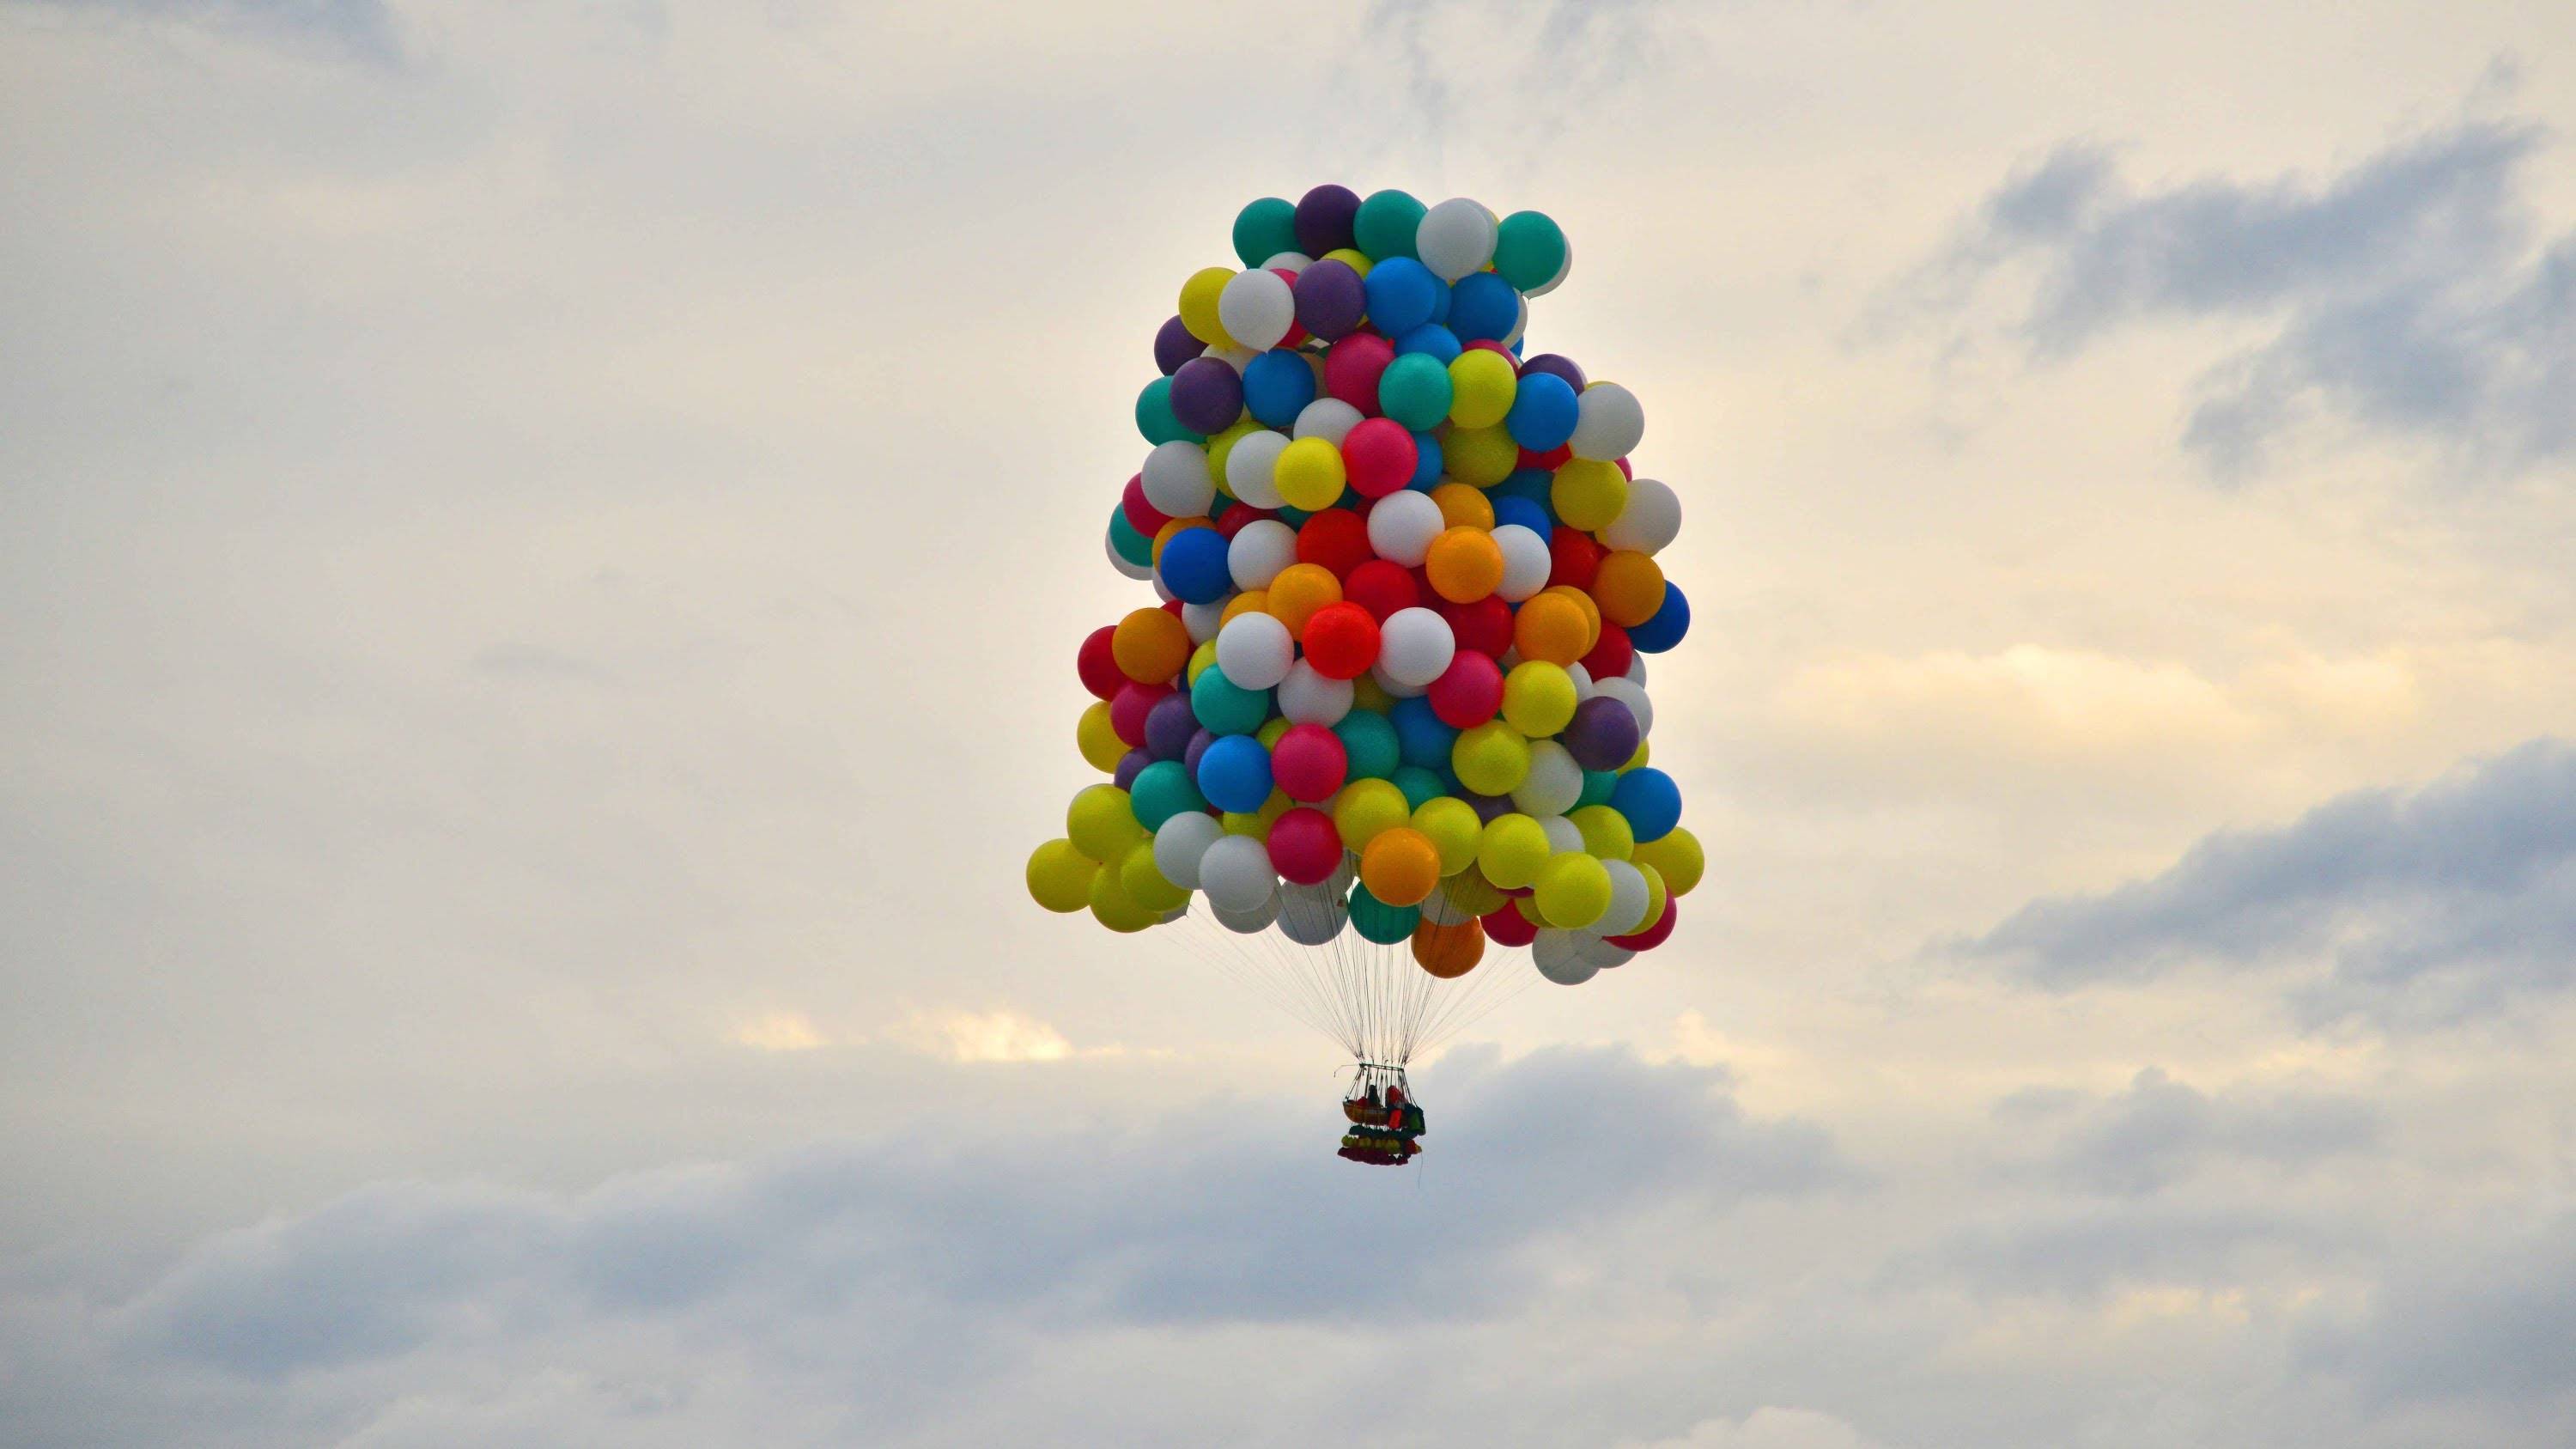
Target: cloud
{"type": "Point", "coordinates": [2410, 293]}
{"type": "Point", "coordinates": [2160, 1131]}
{"type": "Point", "coordinates": [360, 29]}
{"type": "Point", "coordinates": [1771, 1428]}
{"type": "Point", "coordinates": [2449, 901]}
{"type": "Point", "coordinates": [2489, 1316]}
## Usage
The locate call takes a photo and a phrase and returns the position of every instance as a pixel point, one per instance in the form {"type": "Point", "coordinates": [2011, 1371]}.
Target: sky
{"type": "Point", "coordinates": [543, 551]}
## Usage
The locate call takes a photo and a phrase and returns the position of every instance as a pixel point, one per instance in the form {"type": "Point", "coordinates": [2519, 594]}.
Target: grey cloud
{"type": "Point", "coordinates": [363, 29]}
{"type": "Point", "coordinates": [2428, 906]}
{"type": "Point", "coordinates": [2412, 292]}
{"type": "Point", "coordinates": [2468, 1323]}
{"type": "Point", "coordinates": [2160, 1131]}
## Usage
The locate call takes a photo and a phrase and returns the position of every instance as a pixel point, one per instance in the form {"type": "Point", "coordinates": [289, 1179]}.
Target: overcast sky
{"type": "Point", "coordinates": [542, 556]}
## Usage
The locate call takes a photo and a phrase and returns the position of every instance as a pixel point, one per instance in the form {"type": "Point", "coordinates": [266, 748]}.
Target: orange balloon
{"type": "Point", "coordinates": [1449, 952]}
{"type": "Point", "coordinates": [1464, 507]}
{"type": "Point", "coordinates": [1550, 628]}
{"type": "Point", "coordinates": [1465, 564]}
{"type": "Point", "coordinates": [1400, 866]}
{"type": "Point", "coordinates": [1299, 591]}
{"type": "Point", "coordinates": [1150, 645]}
{"type": "Point", "coordinates": [1250, 601]}
{"type": "Point", "coordinates": [1591, 612]}
{"type": "Point", "coordinates": [1629, 587]}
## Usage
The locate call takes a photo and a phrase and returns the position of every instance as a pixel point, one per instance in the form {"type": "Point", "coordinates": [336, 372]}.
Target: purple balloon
{"type": "Point", "coordinates": [1561, 366]}
{"type": "Point", "coordinates": [1324, 219]}
{"type": "Point", "coordinates": [1198, 746]}
{"type": "Point", "coordinates": [1130, 765]}
{"type": "Point", "coordinates": [1207, 395]}
{"type": "Point", "coordinates": [1488, 807]}
{"type": "Point", "coordinates": [1330, 299]}
{"type": "Point", "coordinates": [1601, 736]}
{"type": "Point", "coordinates": [1169, 725]}
{"type": "Point", "coordinates": [1174, 345]}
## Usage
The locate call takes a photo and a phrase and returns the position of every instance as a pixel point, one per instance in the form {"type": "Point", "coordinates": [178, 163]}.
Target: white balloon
{"type": "Point", "coordinates": [1636, 674]}
{"type": "Point", "coordinates": [1256, 309]}
{"type": "Point", "coordinates": [1310, 916]}
{"type": "Point", "coordinates": [1254, 651]}
{"type": "Point", "coordinates": [1235, 872]}
{"type": "Point", "coordinates": [1118, 562]}
{"type": "Point", "coordinates": [1247, 923]}
{"type": "Point", "coordinates": [1289, 261]}
{"type": "Point", "coordinates": [1182, 842]}
{"type": "Point", "coordinates": [1558, 955]}
{"type": "Point", "coordinates": [1259, 552]}
{"type": "Point", "coordinates": [1582, 678]}
{"type": "Point", "coordinates": [1651, 519]}
{"type": "Point", "coordinates": [1602, 955]}
{"type": "Point", "coordinates": [1562, 834]}
{"type": "Point", "coordinates": [1235, 357]}
{"type": "Point", "coordinates": [1248, 465]}
{"type": "Point", "coordinates": [1401, 526]}
{"type": "Point", "coordinates": [1177, 481]}
{"type": "Point", "coordinates": [1414, 646]}
{"type": "Point", "coordinates": [1628, 899]}
{"type": "Point", "coordinates": [1520, 323]}
{"type": "Point", "coordinates": [1552, 283]}
{"type": "Point", "coordinates": [1526, 562]}
{"type": "Point", "coordinates": [1552, 787]}
{"type": "Point", "coordinates": [1455, 238]}
{"type": "Point", "coordinates": [1163, 591]}
{"type": "Point", "coordinates": [1308, 697]}
{"type": "Point", "coordinates": [1328, 418]}
{"type": "Point", "coordinates": [1608, 423]}
{"type": "Point", "coordinates": [1202, 619]}
{"type": "Point", "coordinates": [1633, 696]}
{"type": "Point", "coordinates": [1396, 688]}
{"type": "Point", "coordinates": [1338, 884]}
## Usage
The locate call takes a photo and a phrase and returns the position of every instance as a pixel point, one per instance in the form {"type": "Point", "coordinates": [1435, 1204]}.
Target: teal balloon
{"type": "Point", "coordinates": [1225, 707]}
{"type": "Point", "coordinates": [1132, 546]}
{"type": "Point", "coordinates": [1379, 922]}
{"type": "Point", "coordinates": [1414, 390]}
{"type": "Point", "coordinates": [1163, 790]}
{"type": "Point", "coordinates": [1369, 739]}
{"type": "Point", "coordinates": [1387, 223]}
{"type": "Point", "coordinates": [1265, 229]}
{"type": "Point", "coordinates": [1154, 415]}
{"type": "Point", "coordinates": [1597, 785]}
{"type": "Point", "coordinates": [1529, 249]}
{"type": "Point", "coordinates": [1419, 785]}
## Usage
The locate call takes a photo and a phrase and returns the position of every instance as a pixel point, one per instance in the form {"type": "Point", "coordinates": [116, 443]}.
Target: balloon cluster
{"type": "Point", "coordinates": [1409, 583]}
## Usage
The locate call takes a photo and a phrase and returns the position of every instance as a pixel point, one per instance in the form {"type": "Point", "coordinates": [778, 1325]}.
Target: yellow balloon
{"type": "Point", "coordinates": [1538, 697]}
{"type": "Point", "coordinates": [1220, 444]}
{"type": "Point", "coordinates": [1638, 760]}
{"type": "Point", "coordinates": [1605, 832]}
{"type": "Point", "coordinates": [1491, 758]}
{"type": "Point", "coordinates": [1657, 897]}
{"type": "Point", "coordinates": [1114, 908]}
{"type": "Point", "coordinates": [1572, 890]}
{"type": "Point", "coordinates": [1368, 694]}
{"type": "Point", "coordinates": [1588, 493]}
{"type": "Point", "coordinates": [1481, 385]}
{"type": "Point", "coordinates": [1480, 457]}
{"type": "Point", "coordinates": [1510, 850]}
{"type": "Point", "coordinates": [1270, 732]}
{"type": "Point", "coordinates": [1060, 876]}
{"type": "Point", "coordinates": [1198, 305]}
{"type": "Point", "coordinates": [1144, 883]}
{"type": "Point", "coordinates": [1677, 858]}
{"type": "Point", "coordinates": [1469, 891]}
{"type": "Point", "coordinates": [1364, 808]}
{"type": "Point", "coordinates": [1101, 823]}
{"type": "Point", "coordinates": [1351, 257]}
{"type": "Point", "coordinates": [1309, 474]}
{"type": "Point", "coordinates": [1239, 822]}
{"type": "Point", "coordinates": [1451, 824]}
{"type": "Point", "coordinates": [1098, 739]}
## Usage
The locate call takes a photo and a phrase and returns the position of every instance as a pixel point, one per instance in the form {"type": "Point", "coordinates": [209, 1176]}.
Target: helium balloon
{"type": "Point", "coordinates": [1060, 876]}
{"type": "Point", "coordinates": [1676, 857]}
{"type": "Point", "coordinates": [1400, 866]}
{"type": "Point", "coordinates": [1309, 763]}
{"type": "Point", "coordinates": [1651, 518]}
{"type": "Point", "coordinates": [1449, 951]}
{"type": "Point", "coordinates": [1558, 954]}
{"type": "Point", "coordinates": [1511, 850]}
{"type": "Point", "coordinates": [1464, 563]}
{"type": "Point", "coordinates": [1366, 809]}
{"type": "Point", "coordinates": [1252, 466]}
{"type": "Point", "coordinates": [1650, 800]}
{"type": "Point", "coordinates": [1455, 238]}
{"type": "Point", "coordinates": [1628, 587]}
{"type": "Point", "coordinates": [1641, 710]}
{"type": "Point", "coordinates": [1628, 897]}
{"type": "Point", "coordinates": [1234, 774]}
{"type": "Point", "coordinates": [1415, 646]}
{"type": "Point", "coordinates": [1666, 629]}
{"type": "Point", "coordinates": [1550, 782]}
{"type": "Point", "coordinates": [1256, 309]}
{"type": "Point", "coordinates": [1309, 696]}
{"type": "Point", "coordinates": [1403, 526]}
{"type": "Point", "coordinates": [1608, 423]}
{"type": "Point", "coordinates": [1304, 847]}
{"type": "Point", "coordinates": [1468, 692]}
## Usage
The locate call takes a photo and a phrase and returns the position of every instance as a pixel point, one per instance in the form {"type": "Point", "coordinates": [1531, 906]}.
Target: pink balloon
{"type": "Point", "coordinates": [1351, 369]}
{"type": "Point", "coordinates": [1469, 692]}
{"type": "Point", "coordinates": [1304, 846]}
{"type": "Point", "coordinates": [1309, 763]}
{"type": "Point", "coordinates": [1379, 455]}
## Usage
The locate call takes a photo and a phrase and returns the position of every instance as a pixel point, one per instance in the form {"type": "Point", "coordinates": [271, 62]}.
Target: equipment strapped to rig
{"type": "Point", "coordinates": [1386, 1123]}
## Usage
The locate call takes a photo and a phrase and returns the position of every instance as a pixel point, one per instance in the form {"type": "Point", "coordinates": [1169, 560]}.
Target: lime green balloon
{"type": "Point", "coordinates": [1529, 249]}
{"type": "Point", "coordinates": [1387, 223]}
{"type": "Point", "coordinates": [1143, 881]}
{"type": "Point", "coordinates": [1102, 824]}
{"type": "Point", "coordinates": [1538, 698]}
{"type": "Point", "coordinates": [1676, 855]}
{"type": "Point", "coordinates": [1365, 808]}
{"type": "Point", "coordinates": [1657, 897]}
{"type": "Point", "coordinates": [1572, 890]}
{"type": "Point", "coordinates": [1264, 229]}
{"type": "Point", "coordinates": [1453, 829]}
{"type": "Point", "coordinates": [1060, 876]}
{"type": "Point", "coordinates": [1606, 832]}
{"type": "Point", "coordinates": [1490, 759]}
{"type": "Point", "coordinates": [1511, 849]}
{"type": "Point", "coordinates": [1114, 908]}
{"type": "Point", "coordinates": [1469, 891]}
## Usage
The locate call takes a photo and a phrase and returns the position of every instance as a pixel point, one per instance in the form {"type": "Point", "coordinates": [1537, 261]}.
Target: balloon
{"type": "Point", "coordinates": [1060, 876]}
{"type": "Point", "coordinates": [1300, 589]}
{"type": "Point", "coordinates": [1403, 526]}
{"type": "Point", "coordinates": [1304, 847]}
{"type": "Point", "coordinates": [1588, 493]}
{"type": "Point", "coordinates": [1538, 698]}
{"type": "Point", "coordinates": [1450, 824]}
{"type": "Point", "coordinates": [1506, 926]}
{"type": "Point", "coordinates": [1145, 885]}
{"type": "Point", "coordinates": [1352, 369]}
{"type": "Point", "coordinates": [1572, 890]}
{"type": "Point", "coordinates": [1309, 763]}
{"type": "Point", "coordinates": [1100, 824]}
{"type": "Point", "coordinates": [1308, 474]}
{"type": "Point", "coordinates": [1251, 467]}
{"type": "Point", "coordinates": [1423, 739]}
{"type": "Point", "coordinates": [1312, 915]}
{"type": "Point", "coordinates": [1173, 345]}
{"type": "Point", "coordinates": [1550, 781]}
{"type": "Point", "coordinates": [1247, 923]}
{"type": "Point", "coordinates": [1481, 457]}
{"type": "Point", "coordinates": [1552, 628]}
{"type": "Point", "coordinates": [1096, 736]}
{"type": "Point", "coordinates": [1415, 646]}
{"type": "Point", "coordinates": [1449, 951]}
{"type": "Point", "coordinates": [1511, 850]}
{"type": "Point", "coordinates": [1414, 390]}
{"type": "Point", "coordinates": [1385, 224]}
{"type": "Point", "coordinates": [1265, 228]}
{"type": "Point", "coordinates": [1179, 844]}
{"type": "Point", "coordinates": [1168, 727]}
{"type": "Point", "coordinates": [1199, 305]}
{"type": "Point", "coordinates": [1113, 907]}
{"type": "Point", "coordinates": [1677, 858]}
{"type": "Point", "coordinates": [1097, 663]}
{"type": "Point", "coordinates": [1606, 832]}
{"type": "Point", "coordinates": [1609, 423]}
{"type": "Point", "coordinates": [1400, 866]}
{"type": "Point", "coordinates": [1483, 308]}
{"type": "Point", "coordinates": [1330, 298]}
{"type": "Point", "coordinates": [1633, 696]}
{"type": "Point", "coordinates": [1558, 954]}
{"type": "Point", "coordinates": [1225, 706]}
{"type": "Point", "coordinates": [1205, 394]}
{"type": "Point", "coordinates": [1323, 219]}
{"type": "Point", "coordinates": [1654, 933]}
{"type": "Point", "coordinates": [1650, 800]}
{"type": "Point", "coordinates": [1651, 519]}
{"type": "Point", "coordinates": [1529, 250]}
{"type": "Point", "coordinates": [1335, 539]}
{"type": "Point", "coordinates": [1455, 238]}
{"type": "Point", "coordinates": [1258, 551]}
{"type": "Point", "coordinates": [1468, 692]}
{"type": "Point", "coordinates": [1235, 872]}
{"type": "Point", "coordinates": [1150, 646]}
{"type": "Point", "coordinates": [1611, 653]}
{"type": "Point", "coordinates": [1577, 558]}
{"type": "Point", "coordinates": [1402, 295]}
{"type": "Point", "coordinates": [1256, 652]}
{"type": "Point", "coordinates": [1234, 774]}
{"type": "Point", "coordinates": [1464, 564]}
{"type": "Point", "coordinates": [1666, 629]}
{"type": "Point", "coordinates": [1463, 506]}
{"type": "Point", "coordinates": [1366, 808]}
{"type": "Point", "coordinates": [1256, 309]}
{"type": "Point", "coordinates": [1193, 567]}
{"type": "Point", "coordinates": [1628, 898]}
{"type": "Point", "coordinates": [1544, 411]}
{"type": "Point", "coordinates": [1308, 696]}
{"type": "Point", "coordinates": [1629, 587]}
{"type": "Point", "coordinates": [1384, 589]}
{"type": "Point", "coordinates": [1375, 921]}
{"type": "Point", "coordinates": [1379, 456]}
{"type": "Point", "coordinates": [1368, 738]}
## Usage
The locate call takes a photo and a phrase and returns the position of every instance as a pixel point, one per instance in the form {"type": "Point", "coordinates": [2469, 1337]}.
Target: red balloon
{"type": "Point", "coordinates": [1304, 846]}
{"type": "Point", "coordinates": [1651, 937]}
{"type": "Point", "coordinates": [1141, 515]}
{"type": "Point", "coordinates": [1341, 640]}
{"type": "Point", "coordinates": [1098, 666]}
{"type": "Point", "coordinates": [1382, 588]}
{"type": "Point", "coordinates": [1549, 461]}
{"type": "Point", "coordinates": [1127, 712]}
{"type": "Point", "coordinates": [1484, 626]}
{"type": "Point", "coordinates": [1576, 558]}
{"type": "Point", "coordinates": [1380, 456]}
{"type": "Point", "coordinates": [1610, 658]}
{"type": "Point", "coordinates": [1240, 517]}
{"type": "Point", "coordinates": [1498, 349]}
{"type": "Point", "coordinates": [1351, 369]}
{"type": "Point", "coordinates": [1469, 691]}
{"type": "Point", "coordinates": [1309, 763]}
{"type": "Point", "coordinates": [1629, 473]}
{"type": "Point", "coordinates": [1337, 538]}
{"type": "Point", "coordinates": [1508, 927]}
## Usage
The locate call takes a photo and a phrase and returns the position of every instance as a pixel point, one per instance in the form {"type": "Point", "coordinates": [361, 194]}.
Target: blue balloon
{"type": "Point", "coordinates": [1426, 463]}
{"type": "Point", "coordinates": [1669, 624]}
{"type": "Point", "coordinates": [1277, 385]}
{"type": "Point", "coordinates": [1421, 739]}
{"type": "Point", "coordinates": [1483, 307]}
{"type": "Point", "coordinates": [1368, 738]}
{"type": "Point", "coordinates": [1527, 512]}
{"type": "Point", "coordinates": [1419, 785]}
{"type": "Point", "coordinates": [1234, 774]}
{"type": "Point", "coordinates": [1402, 294]}
{"type": "Point", "coordinates": [1543, 412]}
{"type": "Point", "coordinates": [1650, 800]}
{"type": "Point", "coordinates": [1440, 302]}
{"type": "Point", "coordinates": [1432, 338]}
{"type": "Point", "coordinates": [1194, 568]}
{"type": "Point", "coordinates": [1225, 707]}
{"type": "Point", "coordinates": [1163, 790]}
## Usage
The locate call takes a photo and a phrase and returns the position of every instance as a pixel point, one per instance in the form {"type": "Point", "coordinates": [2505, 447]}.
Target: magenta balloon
{"type": "Point", "coordinates": [1309, 763]}
{"type": "Point", "coordinates": [1304, 846]}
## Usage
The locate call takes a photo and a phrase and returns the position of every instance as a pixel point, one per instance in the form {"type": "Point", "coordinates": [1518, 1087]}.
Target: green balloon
{"type": "Point", "coordinates": [1379, 922]}
{"type": "Point", "coordinates": [1368, 738]}
{"type": "Point", "coordinates": [1132, 546]}
{"type": "Point", "coordinates": [1154, 415]}
{"type": "Point", "coordinates": [1415, 391]}
{"type": "Point", "coordinates": [1163, 790]}
{"type": "Point", "coordinates": [1420, 786]}
{"type": "Point", "coordinates": [1529, 249]}
{"type": "Point", "coordinates": [1225, 707]}
{"type": "Point", "coordinates": [1264, 229]}
{"type": "Point", "coordinates": [1386, 224]}
{"type": "Point", "coordinates": [1597, 785]}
